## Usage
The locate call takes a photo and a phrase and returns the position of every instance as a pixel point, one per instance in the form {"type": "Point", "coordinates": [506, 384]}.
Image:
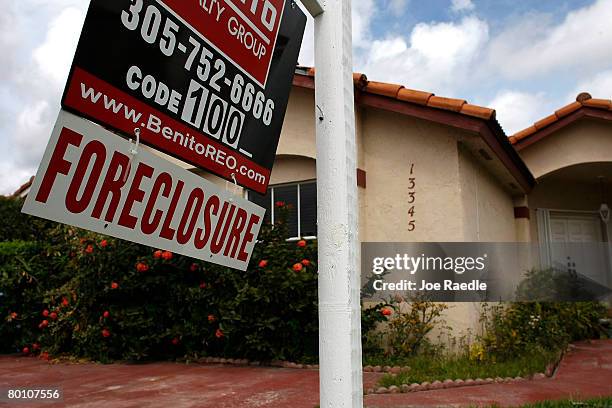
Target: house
{"type": "Point", "coordinates": [436, 169]}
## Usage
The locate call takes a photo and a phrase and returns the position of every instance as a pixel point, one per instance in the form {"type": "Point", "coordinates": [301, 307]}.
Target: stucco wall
{"type": "Point", "coordinates": [488, 209]}
{"type": "Point", "coordinates": [298, 134]}
{"type": "Point", "coordinates": [389, 145]}
{"type": "Point", "coordinates": [584, 141]}
{"type": "Point", "coordinates": [289, 169]}
{"type": "Point", "coordinates": [392, 143]}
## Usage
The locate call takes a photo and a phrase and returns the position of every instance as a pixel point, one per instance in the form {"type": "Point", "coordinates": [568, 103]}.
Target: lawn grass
{"type": "Point", "coordinates": [427, 368]}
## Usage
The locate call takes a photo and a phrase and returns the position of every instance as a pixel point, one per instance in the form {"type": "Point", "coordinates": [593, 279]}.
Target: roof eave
{"type": "Point", "coordinates": [488, 129]}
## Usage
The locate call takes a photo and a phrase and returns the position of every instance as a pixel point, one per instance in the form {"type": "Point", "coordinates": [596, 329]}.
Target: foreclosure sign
{"type": "Point", "coordinates": [88, 179]}
{"type": "Point", "coordinates": [207, 81]}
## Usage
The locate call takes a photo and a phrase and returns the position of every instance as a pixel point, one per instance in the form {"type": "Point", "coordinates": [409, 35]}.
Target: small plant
{"type": "Point", "coordinates": [408, 329]}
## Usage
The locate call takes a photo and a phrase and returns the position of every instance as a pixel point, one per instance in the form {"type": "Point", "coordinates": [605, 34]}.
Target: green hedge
{"type": "Point", "coordinates": [91, 296]}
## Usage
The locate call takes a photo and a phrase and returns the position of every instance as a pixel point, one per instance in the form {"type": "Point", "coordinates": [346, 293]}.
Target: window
{"type": "Point", "coordinates": [302, 199]}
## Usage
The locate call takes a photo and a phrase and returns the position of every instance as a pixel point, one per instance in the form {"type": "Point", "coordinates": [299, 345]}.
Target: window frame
{"type": "Point", "coordinates": [298, 209]}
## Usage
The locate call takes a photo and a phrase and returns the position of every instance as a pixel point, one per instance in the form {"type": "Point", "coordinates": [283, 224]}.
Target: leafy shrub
{"type": "Point", "coordinates": [16, 226]}
{"type": "Point", "coordinates": [551, 285]}
{"type": "Point", "coordinates": [508, 330]}
{"type": "Point", "coordinates": [371, 317]}
{"type": "Point", "coordinates": [75, 292]}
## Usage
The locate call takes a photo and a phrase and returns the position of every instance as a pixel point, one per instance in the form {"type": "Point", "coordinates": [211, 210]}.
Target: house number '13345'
{"type": "Point", "coordinates": [411, 199]}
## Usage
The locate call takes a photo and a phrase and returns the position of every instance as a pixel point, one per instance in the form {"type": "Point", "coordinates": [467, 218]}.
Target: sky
{"type": "Point", "coordinates": [523, 58]}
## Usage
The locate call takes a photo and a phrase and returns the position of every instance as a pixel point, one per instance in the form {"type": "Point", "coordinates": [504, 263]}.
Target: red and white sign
{"type": "Point", "coordinates": [89, 179]}
{"type": "Point", "coordinates": [243, 30]}
{"type": "Point", "coordinates": [206, 81]}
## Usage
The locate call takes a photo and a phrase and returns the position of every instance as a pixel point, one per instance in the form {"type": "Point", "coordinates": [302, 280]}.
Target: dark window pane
{"type": "Point", "coordinates": [288, 195]}
{"type": "Point", "coordinates": [308, 206]}
{"type": "Point", "coordinates": [263, 201]}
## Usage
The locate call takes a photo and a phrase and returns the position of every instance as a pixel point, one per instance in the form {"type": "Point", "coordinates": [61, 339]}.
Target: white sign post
{"type": "Point", "coordinates": [340, 374]}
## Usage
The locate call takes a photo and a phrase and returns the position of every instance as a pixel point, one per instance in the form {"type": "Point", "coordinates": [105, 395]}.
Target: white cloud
{"type": "Point", "coordinates": [55, 55]}
{"type": "Point", "coordinates": [518, 110]}
{"type": "Point", "coordinates": [536, 47]}
{"type": "Point", "coordinates": [437, 57]}
{"type": "Point", "coordinates": [37, 42]}
{"type": "Point", "coordinates": [362, 13]}
{"type": "Point", "coordinates": [599, 86]}
{"type": "Point", "coordinates": [462, 5]}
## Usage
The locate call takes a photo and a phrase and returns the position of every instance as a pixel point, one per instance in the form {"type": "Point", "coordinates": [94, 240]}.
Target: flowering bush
{"type": "Point", "coordinates": [509, 330]}
{"type": "Point", "coordinates": [79, 293]}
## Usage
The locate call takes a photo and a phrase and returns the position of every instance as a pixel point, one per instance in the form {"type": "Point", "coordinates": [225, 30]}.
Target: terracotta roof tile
{"type": "Point", "coordinates": [423, 98]}
{"type": "Point", "coordinates": [567, 109]}
{"type": "Point", "coordinates": [383, 88]}
{"type": "Point", "coordinates": [597, 103]}
{"type": "Point", "coordinates": [542, 123]}
{"type": "Point", "coordinates": [477, 111]}
{"type": "Point", "coordinates": [446, 103]}
{"type": "Point", "coordinates": [410, 95]}
{"type": "Point", "coordinates": [524, 133]}
{"type": "Point", "coordinates": [583, 99]}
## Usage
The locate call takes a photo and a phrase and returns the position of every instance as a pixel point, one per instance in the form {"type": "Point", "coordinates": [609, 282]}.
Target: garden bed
{"type": "Point", "coordinates": [430, 369]}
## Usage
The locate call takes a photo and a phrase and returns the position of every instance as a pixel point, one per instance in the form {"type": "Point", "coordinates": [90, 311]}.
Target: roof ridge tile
{"type": "Point", "coordinates": [383, 88]}
{"type": "Point", "coordinates": [583, 99]}
{"type": "Point", "coordinates": [442, 102]}
{"type": "Point", "coordinates": [597, 103]}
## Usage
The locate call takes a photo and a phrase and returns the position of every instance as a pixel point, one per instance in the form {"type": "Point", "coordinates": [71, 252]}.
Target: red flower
{"type": "Point", "coordinates": [142, 267]}
{"type": "Point", "coordinates": [158, 254]}
{"type": "Point", "coordinates": [25, 350]}
{"type": "Point", "coordinates": [305, 262]}
{"type": "Point", "coordinates": [106, 314]}
{"type": "Point", "coordinates": [263, 263]}
{"type": "Point", "coordinates": [89, 249]}
{"type": "Point", "coordinates": [297, 267]}
{"type": "Point", "coordinates": [211, 318]}
{"type": "Point", "coordinates": [202, 285]}
{"type": "Point", "coordinates": [44, 355]}
{"type": "Point", "coordinates": [14, 315]}
{"type": "Point", "coordinates": [114, 285]}
{"type": "Point", "coordinates": [219, 333]}
{"type": "Point", "coordinates": [280, 204]}
{"type": "Point", "coordinates": [386, 312]}
{"type": "Point", "coordinates": [167, 255]}
{"type": "Point", "coordinates": [65, 301]}
{"type": "Point", "coordinates": [103, 243]}
{"type": "Point", "coordinates": [35, 346]}
{"type": "Point", "coordinates": [193, 267]}
{"type": "Point", "coordinates": [175, 341]}
{"type": "Point", "coordinates": [53, 315]}
{"type": "Point", "coordinates": [45, 313]}
{"type": "Point", "coordinates": [43, 324]}
{"type": "Point", "coordinates": [301, 243]}
{"type": "Point", "coordinates": [105, 333]}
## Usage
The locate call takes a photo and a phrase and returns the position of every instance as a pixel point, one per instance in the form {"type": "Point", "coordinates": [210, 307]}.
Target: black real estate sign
{"type": "Point", "coordinates": [206, 81]}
